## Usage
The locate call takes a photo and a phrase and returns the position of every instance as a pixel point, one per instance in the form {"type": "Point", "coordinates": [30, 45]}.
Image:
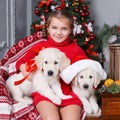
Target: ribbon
{"type": "Point", "coordinates": [30, 66]}
{"type": "Point", "coordinates": [89, 50]}
{"type": "Point", "coordinates": [38, 27]}
{"type": "Point", "coordinates": [46, 2]}
{"type": "Point", "coordinates": [63, 4]}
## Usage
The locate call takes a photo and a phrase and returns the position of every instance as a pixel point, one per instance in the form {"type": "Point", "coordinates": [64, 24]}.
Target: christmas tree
{"type": "Point", "coordinates": [83, 25]}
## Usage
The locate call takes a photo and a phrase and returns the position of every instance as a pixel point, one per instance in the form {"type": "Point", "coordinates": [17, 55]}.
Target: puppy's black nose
{"type": "Point", "coordinates": [50, 73]}
{"type": "Point", "coordinates": [85, 86]}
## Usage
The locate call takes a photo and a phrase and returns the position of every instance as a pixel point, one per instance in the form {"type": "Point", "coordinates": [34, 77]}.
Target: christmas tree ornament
{"type": "Point", "coordinates": [76, 9]}
{"type": "Point", "coordinates": [84, 7]}
{"type": "Point", "coordinates": [92, 36]}
{"type": "Point", "coordinates": [82, 14]}
{"type": "Point", "coordinates": [86, 13]}
{"type": "Point", "coordinates": [37, 12]}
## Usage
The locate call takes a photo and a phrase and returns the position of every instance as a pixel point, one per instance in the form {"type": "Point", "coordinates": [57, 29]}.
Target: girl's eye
{"type": "Point", "coordinates": [65, 29]}
{"type": "Point", "coordinates": [55, 62]}
{"type": "Point", "coordinates": [45, 62]}
{"type": "Point", "coordinates": [53, 27]}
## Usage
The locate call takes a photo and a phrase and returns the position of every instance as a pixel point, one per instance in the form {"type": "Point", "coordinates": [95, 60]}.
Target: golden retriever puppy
{"type": "Point", "coordinates": [45, 79]}
{"type": "Point", "coordinates": [50, 62]}
{"type": "Point", "coordinates": [85, 75]}
{"type": "Point", "coordinates": [84, 85]}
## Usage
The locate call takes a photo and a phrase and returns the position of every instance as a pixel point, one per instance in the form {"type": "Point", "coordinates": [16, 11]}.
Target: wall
{"type": "Point", "coordinates": [15, 21]}
{"type": "Point", "coordinates": [105, 11]}
{"type": "Point", "coordinates": [21, 16]}
{"type": "Point", "coordinates": [3, 20]}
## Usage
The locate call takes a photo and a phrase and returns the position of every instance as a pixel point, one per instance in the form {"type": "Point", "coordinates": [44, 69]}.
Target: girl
{"type": "Point", "coordinates": [59, 27]}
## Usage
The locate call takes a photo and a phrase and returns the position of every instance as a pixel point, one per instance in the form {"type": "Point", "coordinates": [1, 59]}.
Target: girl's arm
{"type": "Point", "coordinates": [20, 64]}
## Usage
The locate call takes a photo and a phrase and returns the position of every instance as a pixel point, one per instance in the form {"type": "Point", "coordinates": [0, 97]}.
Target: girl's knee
{"type": "Point", "coordinates": [48, 111]}
{"type": "Point", "coordinates": [71, 112]}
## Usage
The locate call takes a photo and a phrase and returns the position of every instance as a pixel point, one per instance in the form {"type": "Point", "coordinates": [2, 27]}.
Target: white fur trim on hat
{"type": "Point", "coordinates": [70, 72]}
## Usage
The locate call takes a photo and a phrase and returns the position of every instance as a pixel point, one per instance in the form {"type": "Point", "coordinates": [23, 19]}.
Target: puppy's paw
{"type": "Point", "coordinates": [95, 114]}
{"type": "Point", "coordinates": [88, 109]}
{"type": "Point", "coordinates": [95, 108]}
{"type": "Point", "coordinates": [66, 96]}
{"type": "Point", "coordinates": [27, 100]}
{"type": "Point", "coordinates": [56, 100]}
{"type": "Point", "coordinates": [99, 112]}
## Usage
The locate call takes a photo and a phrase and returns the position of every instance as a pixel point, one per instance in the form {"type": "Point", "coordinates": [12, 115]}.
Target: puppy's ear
{"type": "Point", "coordinates": [38, 61]}
{"type": "Point", "coordinates": [64, 62]}
{"type": "Point", "coordinates": [96, 80]}
{"type": "Point", "coordinates": [75, 81]}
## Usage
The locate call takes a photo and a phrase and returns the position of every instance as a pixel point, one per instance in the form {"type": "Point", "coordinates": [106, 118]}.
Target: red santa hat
{"type": "Point", "coordinates": [70, 72]}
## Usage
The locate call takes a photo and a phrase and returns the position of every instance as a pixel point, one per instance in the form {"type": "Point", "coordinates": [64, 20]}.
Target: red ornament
{"type": "Point", "coordinates": [84, 7]}
{"type": "Point", "coordinates": [76, 10]}
{"type": "Point", "coordinates": [37, 12]}
{"type": "Point", "coordinates": [46, 10]}
{"type": "Point", "coordinates": [84, 24]}
{"type": "Point", "coordinates": [58, 8]}
{"type": "Point", "coordinates": [92, 36]}
{"type": "Point", "coordinates": [118, 29]}
{"type": "Point", "coordinates": [82, 14]}
{"type": "Point", "coordinates": [86, 13]}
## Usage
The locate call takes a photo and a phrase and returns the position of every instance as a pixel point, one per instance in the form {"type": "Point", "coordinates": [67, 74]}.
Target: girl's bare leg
{"type": "Point", "coordinates": [48, 111]}
{"type": "Point", "coordinates": [71, 112]}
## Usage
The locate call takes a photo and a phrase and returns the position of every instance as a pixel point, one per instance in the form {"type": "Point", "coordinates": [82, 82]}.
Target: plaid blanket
{"type": "Point", "coordinates": [10, 109]}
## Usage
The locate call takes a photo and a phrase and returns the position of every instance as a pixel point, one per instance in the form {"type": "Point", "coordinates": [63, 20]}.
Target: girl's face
{"type": "Point", "coordinates": [59, 29]}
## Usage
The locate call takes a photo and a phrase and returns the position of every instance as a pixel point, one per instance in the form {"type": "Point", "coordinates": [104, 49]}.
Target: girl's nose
{"type": "Point", "coordinates": [58, 31]}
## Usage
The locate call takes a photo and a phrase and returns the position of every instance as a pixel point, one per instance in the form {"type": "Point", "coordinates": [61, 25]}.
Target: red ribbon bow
{"type": "Point", "coordinates": [47, 2]}
{"type": "Point", "coordinates": [63, 4]}
{"type": "Point", "coordinates": [30, 67]}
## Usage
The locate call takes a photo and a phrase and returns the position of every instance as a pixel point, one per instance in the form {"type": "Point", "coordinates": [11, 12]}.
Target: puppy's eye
{"type": "Point", "coordinates": [90, 76]}
{"type": "Point", "coordinates": [46, 62]}
{"type": "Point", "coordinates": [55, 62]}
{"type": "Point", "coordinates": [81, 76]}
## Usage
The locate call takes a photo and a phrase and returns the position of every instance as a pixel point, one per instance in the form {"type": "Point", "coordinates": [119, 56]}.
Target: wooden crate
{"type": "Point", "coordinates": [114, 72]}
{"type": "Point", "coordinates": [93, 118]}
{"type": "Point", "coordinates": [110, 105]}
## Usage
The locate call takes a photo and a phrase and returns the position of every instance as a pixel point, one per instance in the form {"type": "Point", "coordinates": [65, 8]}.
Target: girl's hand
{"type": "Point", "coordinates": [23, 69]}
